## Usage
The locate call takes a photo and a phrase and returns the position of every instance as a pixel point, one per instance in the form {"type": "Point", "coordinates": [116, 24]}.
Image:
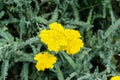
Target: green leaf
{"type": "Point", "coordinates": [112, 28]}
{"type": "Point", "coordinates": [2, 14]}
{"type": "Point", "coordinates": [69, 59]}
{"type": "Point", "coordinates": [54, 16]}
{"type": "Point", "coordinates": [25, 71]}
{"type": "Point", "coordinates": [4, 69]}
{"type": "Point", "coordinates": [6, 35]}
{"type": "Point", "coordinates": [59, 73]}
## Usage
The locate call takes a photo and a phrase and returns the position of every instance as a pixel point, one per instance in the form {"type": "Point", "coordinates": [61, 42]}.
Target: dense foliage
{"type": "Point", "coordinates": [98, 21]}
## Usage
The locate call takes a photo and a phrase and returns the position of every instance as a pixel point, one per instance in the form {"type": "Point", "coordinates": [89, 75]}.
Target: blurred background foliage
{"type": "Point", "coordinates": [97, 20]}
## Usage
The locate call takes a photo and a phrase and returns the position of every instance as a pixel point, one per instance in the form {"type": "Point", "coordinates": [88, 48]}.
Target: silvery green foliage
{"type": "Point", "coordinates": [97, 21]}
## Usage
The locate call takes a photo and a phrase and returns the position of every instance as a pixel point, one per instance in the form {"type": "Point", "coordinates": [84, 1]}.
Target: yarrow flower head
{"type": "Point", "coordinates": [45, 61]}
{"type": "Point", "coordinates": [115, 78]}
{"type": "Point", "coordinates": [57, 38]}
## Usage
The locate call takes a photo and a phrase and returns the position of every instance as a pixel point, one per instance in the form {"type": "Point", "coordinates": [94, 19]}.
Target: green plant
{"type": "Point", "coordinates": [97, 20]}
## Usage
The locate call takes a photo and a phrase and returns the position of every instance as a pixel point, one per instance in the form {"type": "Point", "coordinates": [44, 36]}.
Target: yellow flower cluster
{"type": "Point", "coordinates": [45, 61]}
{"type": "Point", "coordinates": [115, 78]}
{"type": "Point", "coordinates": [58, 38]}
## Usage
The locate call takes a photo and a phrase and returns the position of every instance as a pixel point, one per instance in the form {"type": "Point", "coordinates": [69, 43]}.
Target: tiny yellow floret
{"type": "Point", "coordinates": [45, 61]}
{"type": "Point", "coordinates": [115, 78]}
{"type": "Point", "coordinates": [57, 38]}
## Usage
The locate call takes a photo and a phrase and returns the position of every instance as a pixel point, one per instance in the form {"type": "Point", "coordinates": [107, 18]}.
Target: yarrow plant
{"type": "Point", "coordinates": [32, 49]}
{"type": "Point", "coordinates": [115, 78]}
{"type": "Point", "coordinates": [45, 61]}
{"type": "Point", "coordinates": [58, 38]}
